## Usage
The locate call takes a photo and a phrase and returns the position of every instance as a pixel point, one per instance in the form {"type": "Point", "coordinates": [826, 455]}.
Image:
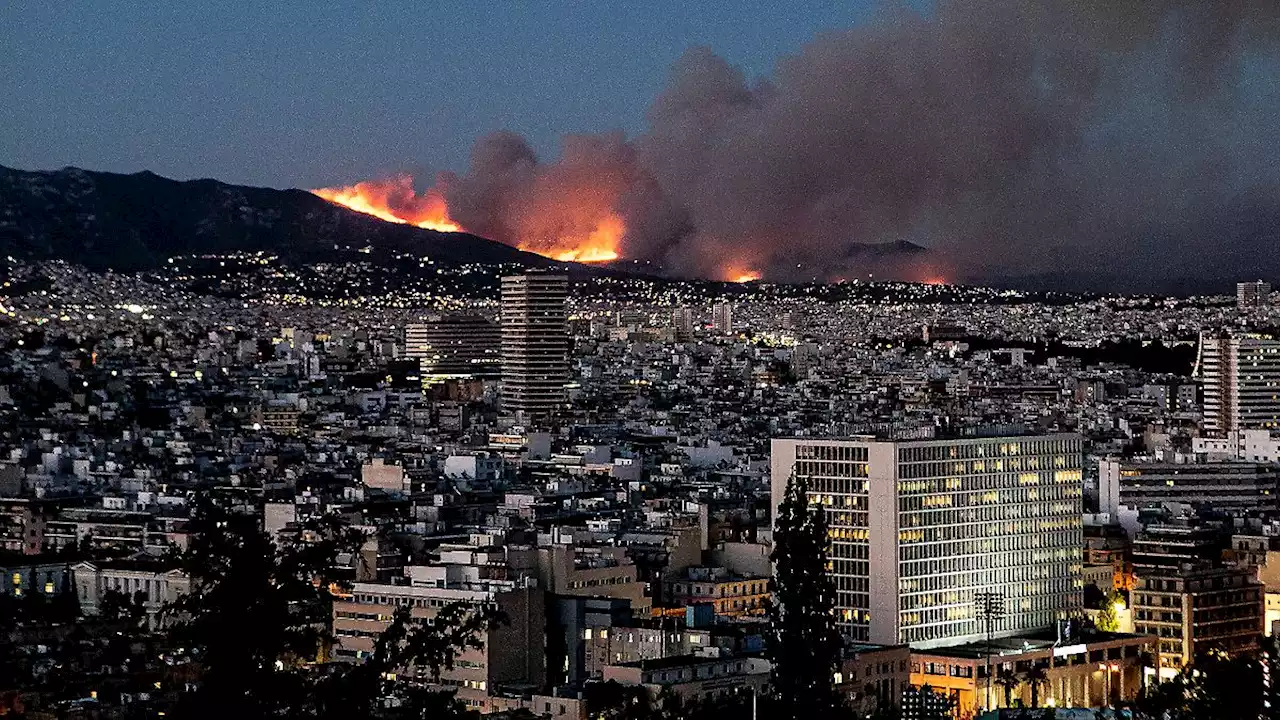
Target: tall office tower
{"type": "Point", "coordinates": [920, 527]}
{"type": "Point", "coordinates": [1252, 294]}
{"type": "Point", "coordinates": [1241, 376]}
{"type": "Point", "coordinates": [722, 318]}
{"type": "Point", "coordinates": [535, 343]}
{"type": "Point", "coordinates": [455, 346]}
{"type": "Point", "coordinates": [682, 322]}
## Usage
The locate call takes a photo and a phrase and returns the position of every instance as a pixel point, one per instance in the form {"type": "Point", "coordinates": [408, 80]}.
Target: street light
{"type": "Point", "coordinates": [990, 609]}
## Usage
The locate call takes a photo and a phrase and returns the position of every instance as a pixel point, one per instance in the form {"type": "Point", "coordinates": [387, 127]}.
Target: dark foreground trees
{"type": "Point", "coordinates": [255, 626]}
{"type": "Point", "coordinates": [804, 642]}
{"type": "Point", "coordinates": [1214, 687]}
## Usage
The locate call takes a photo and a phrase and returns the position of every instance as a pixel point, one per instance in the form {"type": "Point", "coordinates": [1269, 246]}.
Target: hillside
{"type": "Point", "coordinates": [132, 222]}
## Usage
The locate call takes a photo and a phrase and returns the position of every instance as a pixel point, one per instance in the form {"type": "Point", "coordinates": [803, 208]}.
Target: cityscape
{"type": "Point", "coordinates": [896, 361]}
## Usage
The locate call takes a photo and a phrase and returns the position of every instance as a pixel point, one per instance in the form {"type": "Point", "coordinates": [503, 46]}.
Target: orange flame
{"type": "Point", "coordinates": [599, 245]}
{"type": "Point", "coordinates": [394, 200]}
{"type": "Point", "coordinates": [739, 274]}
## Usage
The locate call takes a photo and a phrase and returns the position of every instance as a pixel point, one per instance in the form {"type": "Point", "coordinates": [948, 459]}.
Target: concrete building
{"type": "Point", "coordinates": [727, 593]}
{"type": "Point", "coordinates": [454, 346]}
{"type": "Point", "coordinates": [604, 646]}
{"type": "Point", "coordinates": [722, 318]}
{"type": "Point", "coordinates": [22, 523]}
{"type": "Point", "coordinates": [1198, 607]}
{"type": "Point", "coordinates": [154, 582]}
{"type": "Point", "coordinates": [919, 527]}
{"type": "Point", "coordinates": [682, 323]}
{"type": "Point", "coordinates": [535, 343]}
{"type": "Point", "coordinates": [693, 677]}
{"type": "Point", "coordinates": [1222, 485]}
{"type": "Point", "coordinates": [874, 676]}
{"type": "Point", "coordinates": [1092, 671]}
{"type": "Point", "coordinates": [1255, 445]}
{"type": "Point", "coordinates": [1159, 547]}
{"type": "Point", "coordinates": [1252, 294]}
{"type": "Point", "coordinates": [513, 652]}
{"type": "Point", "coordinates": [592, 572]}
{"type": "Point", "coordinates": [1241, 375]}
{"type": "Point", "coordinates": [25, 575]}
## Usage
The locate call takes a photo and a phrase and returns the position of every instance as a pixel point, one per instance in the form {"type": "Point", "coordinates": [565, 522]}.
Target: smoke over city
{"type": "Point", "coordinates": [1099, 138]}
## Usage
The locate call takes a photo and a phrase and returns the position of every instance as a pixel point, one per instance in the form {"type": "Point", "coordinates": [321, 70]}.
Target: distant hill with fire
{"type": "Point", "coordinates": [132, 222]}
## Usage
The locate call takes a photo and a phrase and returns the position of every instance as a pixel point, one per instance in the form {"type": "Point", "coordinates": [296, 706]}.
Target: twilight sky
{"type": "Point", "coordinates": [1128, 140]}
{"type": "Point", "coordinates": [302, 93]}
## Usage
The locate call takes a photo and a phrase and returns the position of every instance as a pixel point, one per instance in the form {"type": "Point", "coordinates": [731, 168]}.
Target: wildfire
{"type": "Point", "coordinates": [600, 245]}
{"type": "Point", "coordinates": [394, 200]}
{"type": "Point", "coordinates": [739, 274]}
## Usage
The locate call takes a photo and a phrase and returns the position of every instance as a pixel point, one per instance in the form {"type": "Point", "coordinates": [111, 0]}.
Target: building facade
{"type": "Point", "coordinates": [1241, 375]}
{"type": "Point", "coordinates": [513, 652]}
{"type": "Point", "coordinates": [1091, 672]}
{"type": "Point", "coordinates": [535, 343]}
{"type": "Point", "coordinates": [1223, 485]}
{"type": "Point", "coordinates": [919, 527]}
{"type": "Point", "coordinates": [722, 318]}
{"type": "Point", "coordinates": [1252, 294]}
{"type": "Point", "coordinates": [454, 346]}
{"type": "Point", "coordinates": [1198, 607]}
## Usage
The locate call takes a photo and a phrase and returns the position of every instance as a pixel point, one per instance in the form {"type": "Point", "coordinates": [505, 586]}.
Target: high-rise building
{"type": "Point", "coordinates": [1241, 376]}
{"type": "Point", "coordinates": [919, 528]}
{"type": "Point", "coordinates": [1252, 294]}
{"type": "Point", "coordinates": [682, 323]}
{"type": "Point", "coordinates": [454, 346]}
{"type": "Point", "coordinates": [535, 343]}
{"type": "Point", "coordinates": [722, 318]}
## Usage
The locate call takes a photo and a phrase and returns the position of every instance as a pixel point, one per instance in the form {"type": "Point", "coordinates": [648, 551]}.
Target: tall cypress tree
{"type": "Point", "coordinates": [804, 643]}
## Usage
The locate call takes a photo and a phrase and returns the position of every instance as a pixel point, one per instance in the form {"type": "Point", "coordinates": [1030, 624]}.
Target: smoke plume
{"type": "Point", "coordinates": [1100, 138]}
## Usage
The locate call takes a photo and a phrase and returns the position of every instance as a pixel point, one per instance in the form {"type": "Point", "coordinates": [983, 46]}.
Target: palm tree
{"type": "Point", "coordinates": [1010, 681]}
{"type": "Point", "coordinates": [1035, 677]}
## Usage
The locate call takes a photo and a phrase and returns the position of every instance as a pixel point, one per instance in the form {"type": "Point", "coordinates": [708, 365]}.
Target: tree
{"type": "Point", "coordinates": [614, 701]}
{"type": "Point", "coordinates": [257, 619]}
{"type": "Point", "coordinates": [1035, 677]}
{"type": "Point", "coordinates": [256, 613]}
{"type": "Point", "coordinates": [1223, 687]}
{"type": "Point", "coordinates": [1009, 681]}
{"type": "Point", "coordinates": [407, 644]}
{"type": "Point", "coordinates": [925, 703]}
{"type": "Point", "coordinates": [1214, 687]}
{"type": "Point", "coordinates": [804, 644]}
{"type": "Point", "coordinates": [1110, 607]}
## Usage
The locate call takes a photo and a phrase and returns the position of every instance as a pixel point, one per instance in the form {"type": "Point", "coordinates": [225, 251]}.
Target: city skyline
{"type": "Point", "coordinates": [878, 360]}
{"type": "Point", "coordinates": [1015, 147]}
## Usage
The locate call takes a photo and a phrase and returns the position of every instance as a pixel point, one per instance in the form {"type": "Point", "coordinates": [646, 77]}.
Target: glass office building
{"type": "Point", "coordinates": [919, 527]}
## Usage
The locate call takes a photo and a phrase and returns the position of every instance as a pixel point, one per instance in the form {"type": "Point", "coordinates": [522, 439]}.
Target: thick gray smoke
{"type": "Point", "coordinates": [1069, 142]}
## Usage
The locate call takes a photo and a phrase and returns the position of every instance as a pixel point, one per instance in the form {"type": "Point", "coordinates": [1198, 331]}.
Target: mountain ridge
{"type": "Point", "coordinates": [136, 221]}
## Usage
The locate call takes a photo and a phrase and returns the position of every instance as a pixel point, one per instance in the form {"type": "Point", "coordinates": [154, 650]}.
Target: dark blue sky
{"type": "Point", "coordinates": [319, 93]}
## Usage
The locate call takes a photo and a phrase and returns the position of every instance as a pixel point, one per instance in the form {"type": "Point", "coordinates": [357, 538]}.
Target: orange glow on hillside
{"type": "Point", "coordinates": [599, 245]}
{"type": "Point", "coordinates": [394, 200]}
{"type": "Point", "coordinates": [738, 274]}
